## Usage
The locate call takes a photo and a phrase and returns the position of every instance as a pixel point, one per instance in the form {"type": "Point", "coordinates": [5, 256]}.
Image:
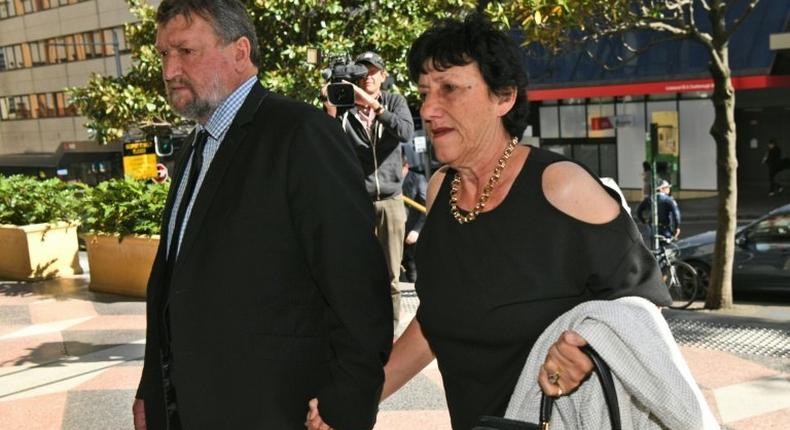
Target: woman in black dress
{"type": "Point", "coordinates": [515, 235]}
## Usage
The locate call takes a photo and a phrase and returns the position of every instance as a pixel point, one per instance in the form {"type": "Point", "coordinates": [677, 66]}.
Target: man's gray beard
{"type": "Point", "coordinates": [196, 110]}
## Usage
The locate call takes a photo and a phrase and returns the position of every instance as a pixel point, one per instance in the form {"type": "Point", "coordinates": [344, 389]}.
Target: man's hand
{"type": "Point", "coordinates": [412, 237]}
{"type": "Point", "coordinates": [363, 99]}
{"type": "Point", "coordinates": [138, 413]}
{"type": "Point", "coordinates": [314, 421]}
{"type": "Point", "coordinates": [566, 365]}
{"type": "Point", "coordinates": [329, 108]}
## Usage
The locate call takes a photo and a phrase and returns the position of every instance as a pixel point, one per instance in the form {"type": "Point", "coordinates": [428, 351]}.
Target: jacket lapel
{"type": "Point", "coordinates": [234, 138]}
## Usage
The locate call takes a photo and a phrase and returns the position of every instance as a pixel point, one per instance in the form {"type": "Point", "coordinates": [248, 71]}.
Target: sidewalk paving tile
{"type": "Point", "coordinates": [779, 420]}
{"type": "Point", "coordinates": [37, 413]}
{"type": "Point", "coordinates": [764, 395]}
{"type": "Point", "coordinates": [50, 310]}
{"type": "Point", "coordinates": [714, 369]}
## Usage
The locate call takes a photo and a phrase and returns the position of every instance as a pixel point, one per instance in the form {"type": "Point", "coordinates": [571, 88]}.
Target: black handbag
{"type": "Point", "coordinates": [547, 403]}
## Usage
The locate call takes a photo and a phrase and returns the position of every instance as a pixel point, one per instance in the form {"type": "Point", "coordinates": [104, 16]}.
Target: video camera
{"type": "Point", "coordinates": [341, 68]}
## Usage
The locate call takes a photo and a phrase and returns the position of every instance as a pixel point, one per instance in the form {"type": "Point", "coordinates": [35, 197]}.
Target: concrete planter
{"type": "Point", "coordinates": [38, 251]}
{"type": "Point", "coordinates": [120, 267]}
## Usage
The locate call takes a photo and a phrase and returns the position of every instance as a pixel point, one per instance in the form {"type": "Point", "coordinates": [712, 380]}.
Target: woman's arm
{"type": "Point", "coordinates": [410, 354]}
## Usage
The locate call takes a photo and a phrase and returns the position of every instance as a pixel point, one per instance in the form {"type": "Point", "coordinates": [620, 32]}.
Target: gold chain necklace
{"type": "Point", "coordinates": [481, 203]}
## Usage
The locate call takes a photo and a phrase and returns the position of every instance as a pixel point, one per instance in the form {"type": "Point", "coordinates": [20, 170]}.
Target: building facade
{"type": "Point", "coordinates": [47, 46]}
{"type": "Point", "coordinates": [602, 117]}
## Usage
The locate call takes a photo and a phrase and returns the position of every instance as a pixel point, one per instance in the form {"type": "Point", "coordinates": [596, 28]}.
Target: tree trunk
{"type": "Point", "coordinates": [723, 132]}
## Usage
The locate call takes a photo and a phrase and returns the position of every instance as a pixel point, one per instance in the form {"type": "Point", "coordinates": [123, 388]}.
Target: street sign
{"type": "Point", "coordinates": [161, 173]}
{"type": "Point", "coordinates": [139, 159]}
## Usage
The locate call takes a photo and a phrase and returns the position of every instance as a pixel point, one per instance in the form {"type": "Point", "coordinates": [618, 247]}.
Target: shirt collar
{"type": "Point", "coordinates": [221, 119]}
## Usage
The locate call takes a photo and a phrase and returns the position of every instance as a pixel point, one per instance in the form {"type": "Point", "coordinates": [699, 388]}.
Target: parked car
{"type": "Point", "coordinates": [762, 253]}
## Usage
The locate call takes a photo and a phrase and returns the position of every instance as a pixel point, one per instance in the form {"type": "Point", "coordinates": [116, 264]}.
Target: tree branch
{"type": "Point", "coordinates": [737, 23]}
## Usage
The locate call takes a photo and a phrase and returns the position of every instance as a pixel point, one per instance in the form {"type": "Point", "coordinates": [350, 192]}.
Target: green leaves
{"type": "Point", "coordinates": [117, 206]}
{"type": "Point", "coordinates": [27, 200]}
{"type": "Point", "coordinates": [285, 28]}
{"type": "Point", "coordinates": [124, 207]}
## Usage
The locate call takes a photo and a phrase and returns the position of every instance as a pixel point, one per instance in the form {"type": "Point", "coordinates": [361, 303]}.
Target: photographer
{"type": "Point", "coordinates": [377, 124]}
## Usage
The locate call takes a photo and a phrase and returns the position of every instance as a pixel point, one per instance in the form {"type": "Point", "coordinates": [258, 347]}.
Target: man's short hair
{"type": "Point", "coordinates": [228, 18]}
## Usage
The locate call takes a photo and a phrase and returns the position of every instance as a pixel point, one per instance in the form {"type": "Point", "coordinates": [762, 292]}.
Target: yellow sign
{"type": "Point", "coordinates": [667, 132]}
{"type": "Point", "coordinates": [140, 166]}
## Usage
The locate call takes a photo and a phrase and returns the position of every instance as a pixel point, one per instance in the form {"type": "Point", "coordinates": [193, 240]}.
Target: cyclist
{"type": "Point", "coordinates": [668, 211]}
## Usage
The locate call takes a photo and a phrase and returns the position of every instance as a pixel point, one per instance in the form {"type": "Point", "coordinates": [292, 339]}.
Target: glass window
{"type": "Point", "coordinates": [42, 4]}
{"type": "Point", "coordinates": [79, 46]}
{"type": "Point", "coordinates": [573, 121]}
{"type": "Point", "coordinates": [60, 48]}
{"type": "Point", "coordinates": [7, 9]}
{"type": "Point", "coordinates": [18, 56]}
{"type": "Point", "coordinates": [774, 229]}
{"type": "Point", "coordinates": [71, 53]}
{"type": "Point", "coordinates": [2, 59]}
{"type": "Point", "coordinates": [109, 49]}
{"type": "Point", "coordinates": [28, 6]}
{"type": "Point", "coordinates": [33, 106]}
{"type": "Point", "coordinates": [98, 40]}
{"type": "Point", "coordinates": [71, 108]}
{"type": "Point", "coordinates": [52, 51]}
{"type": "Point", "coordinates": [26, 60]}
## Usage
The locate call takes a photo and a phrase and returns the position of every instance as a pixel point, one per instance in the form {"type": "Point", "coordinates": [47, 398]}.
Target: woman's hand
{"type": "Point", "coordinates": [566, 366]}
{"type": "Point", "coordinates": [314, 421]}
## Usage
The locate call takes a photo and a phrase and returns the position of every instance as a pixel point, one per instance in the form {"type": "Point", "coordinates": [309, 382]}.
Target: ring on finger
{"type": "Point", "coordinates": [555, 377]}
{"type": "Point", "coordinates": [559, 391]}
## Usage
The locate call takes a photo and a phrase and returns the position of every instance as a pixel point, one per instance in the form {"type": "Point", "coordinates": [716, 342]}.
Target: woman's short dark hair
{"type": "Point", "coordinates": [452, 42]}
{"type": "Point", "coordinates": [228, 18]}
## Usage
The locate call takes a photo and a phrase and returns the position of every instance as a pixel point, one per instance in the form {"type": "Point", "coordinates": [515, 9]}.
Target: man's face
{"type": "Point", "coordinates": [196, 67]}
{"type": "Point", "coordinates": [372, 82]}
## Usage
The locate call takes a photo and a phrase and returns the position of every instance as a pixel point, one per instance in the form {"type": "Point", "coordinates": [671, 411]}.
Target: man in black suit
{"type": "Point", "coordinates": [269, 289]}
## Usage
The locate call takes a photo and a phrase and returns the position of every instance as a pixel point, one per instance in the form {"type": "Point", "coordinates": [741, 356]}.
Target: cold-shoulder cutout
{"type": "Point", "coordinates": [572, 190]}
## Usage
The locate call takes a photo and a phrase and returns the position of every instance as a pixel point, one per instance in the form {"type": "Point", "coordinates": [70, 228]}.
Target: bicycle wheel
{"type": "Point", "coordinates": [684, 286]}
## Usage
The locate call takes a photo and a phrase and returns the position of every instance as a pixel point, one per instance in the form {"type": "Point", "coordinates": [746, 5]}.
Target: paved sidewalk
{"type": "Point", "coordinates": [71, 359]}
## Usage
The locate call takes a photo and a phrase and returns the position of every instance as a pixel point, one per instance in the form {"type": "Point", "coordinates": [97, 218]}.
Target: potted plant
{"type": "Point", "coordinates": [120, 221]}
{"type": "Point", "coordinates": [38, 228]}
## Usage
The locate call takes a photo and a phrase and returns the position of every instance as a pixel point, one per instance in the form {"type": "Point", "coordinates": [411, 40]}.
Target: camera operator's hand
{"type": "Point", "coordinates": [363, 99]}
{"type": "Point", "coordinates": [329, 108]}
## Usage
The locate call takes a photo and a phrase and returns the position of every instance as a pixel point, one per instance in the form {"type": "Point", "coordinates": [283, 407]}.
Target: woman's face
{"type": "Point", "coordinates": [462, 117]}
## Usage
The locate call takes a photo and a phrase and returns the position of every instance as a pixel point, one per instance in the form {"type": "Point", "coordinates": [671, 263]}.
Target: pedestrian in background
{"type": "Point", "coordinates": [268, 288]}
{"type": "Point", "coordinates": [415, 187]}
{"type": "Point", "coordinates": [773, 160]}
{"type": "Point", "coordinates": [515, 235]}
{"type": "Point", "coordinates": [668, 212]}
{"type": "Point", "coordinates": [377, 125]}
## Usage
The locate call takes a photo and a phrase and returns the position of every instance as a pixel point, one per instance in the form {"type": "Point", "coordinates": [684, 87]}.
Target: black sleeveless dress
{"type": "Point", "coordinates": [489, 288]}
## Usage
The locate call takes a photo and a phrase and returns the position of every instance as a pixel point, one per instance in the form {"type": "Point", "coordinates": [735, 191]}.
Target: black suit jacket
{"type": "Point", "coordinates": [280, 291]}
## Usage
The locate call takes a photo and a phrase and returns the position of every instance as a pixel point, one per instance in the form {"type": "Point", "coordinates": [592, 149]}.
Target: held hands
{"type": "Point", "coordinates": [566, 366]}
{"type": "Point", "coordinates": [138, 413]}
{"type": "Point", "coordinates": [314, 421]}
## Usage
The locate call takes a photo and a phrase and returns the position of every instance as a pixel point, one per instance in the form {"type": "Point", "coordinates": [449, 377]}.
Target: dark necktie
{"type": "Point", "coordinates": [186, 197]}
{"type": "Point", "coordinates": [173, 419]}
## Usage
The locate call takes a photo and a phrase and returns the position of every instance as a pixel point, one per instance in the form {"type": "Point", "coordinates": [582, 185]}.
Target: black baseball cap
{"type": "Point", "coordinates": [371, 57]}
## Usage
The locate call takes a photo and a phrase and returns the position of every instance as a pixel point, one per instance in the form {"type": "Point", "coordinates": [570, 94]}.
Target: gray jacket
{"type": "Point", "coordinates": [380, 154]}
{"type": "Point", "coordinates": [655, 388]}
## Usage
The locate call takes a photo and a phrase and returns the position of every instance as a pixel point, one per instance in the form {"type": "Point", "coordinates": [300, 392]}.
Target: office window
{"type": "Point", "coordinates": [38, 53]}
{"type": "Point", "coordinates": [79, 46]}
{"type": "Point", "coordinates": [27, 61]}
{"type": "Point", "coordinates": [60, 48]}
{"type": "Point", "coordinates": [91, 50]}
{"type": "Point", "coordinates": [52, 51]}
{"type": "Point", "coordinates": [109, 49]}
{"type": "Point", "coordinates": [7, 9]}
{"type": "Point", "coordinates": [71, 53]}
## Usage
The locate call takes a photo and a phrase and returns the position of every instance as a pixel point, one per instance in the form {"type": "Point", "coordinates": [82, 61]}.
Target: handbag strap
{"type": "Point", "coordinates": [607, 384]}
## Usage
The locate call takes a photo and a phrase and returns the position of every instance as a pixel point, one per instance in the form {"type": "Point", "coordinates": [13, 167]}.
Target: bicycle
{"type": "Point", "coordinates": [680, 277]}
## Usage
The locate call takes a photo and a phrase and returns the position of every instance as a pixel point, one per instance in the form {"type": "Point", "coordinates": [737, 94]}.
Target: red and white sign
{"type": "Point", "coordinates": [161, 173]}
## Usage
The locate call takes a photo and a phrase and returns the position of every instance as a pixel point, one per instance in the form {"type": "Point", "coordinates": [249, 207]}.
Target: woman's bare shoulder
{"type": "Point", "coordinates": [572, 190]}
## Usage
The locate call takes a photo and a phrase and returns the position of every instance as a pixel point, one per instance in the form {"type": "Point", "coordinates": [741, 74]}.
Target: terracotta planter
{"type": "Point", "coordinates": [38, 251]}
{"type": "Point", "coordinates": [120, 267]}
